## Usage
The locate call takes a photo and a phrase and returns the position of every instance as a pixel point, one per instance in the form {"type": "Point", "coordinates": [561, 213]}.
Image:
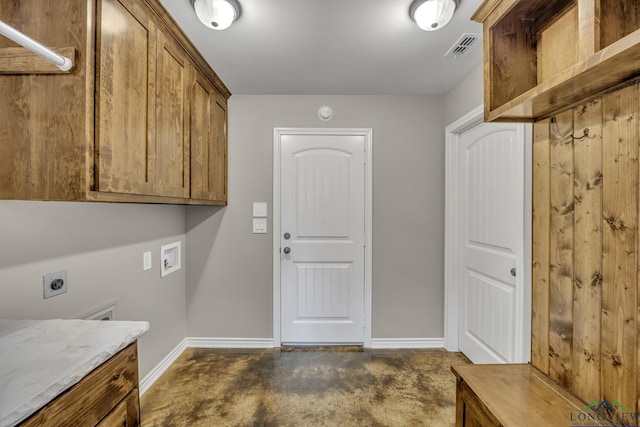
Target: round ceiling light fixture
{"type": "Point", "coordinates": [431, 15]}
{"type": "Point", "coordinates": [217, 14]}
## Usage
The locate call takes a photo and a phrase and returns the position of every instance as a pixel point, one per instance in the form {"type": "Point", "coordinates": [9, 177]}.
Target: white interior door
{"type": "Point", "coordinates": [322, 238]}
{"type": "Point", "coordinates": [492, 182]}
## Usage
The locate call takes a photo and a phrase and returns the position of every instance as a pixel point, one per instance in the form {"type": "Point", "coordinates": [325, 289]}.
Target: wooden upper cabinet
{"type": "Point", "coordinates": [172, 120]}
{"type": "Point", "coordinates": [139, 114]}
{"type": "Point", "coordinates": [544, 56]}
{"type": "Point", "coordinates": [219, 157]}
{"type": "Point", "coordinates": [208, 142]}
{"type": "Point", "coordinates": [125, 134]}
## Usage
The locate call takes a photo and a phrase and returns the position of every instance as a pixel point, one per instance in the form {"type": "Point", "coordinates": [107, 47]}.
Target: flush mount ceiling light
{"type": "Point", "coordinates": [217, 14]}
{"type": "Point", "coordinates": [431, 15]}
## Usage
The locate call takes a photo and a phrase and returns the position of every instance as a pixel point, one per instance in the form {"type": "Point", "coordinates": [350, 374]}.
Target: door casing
{"type": "Point", "coordinates": [452, 236]}
{"type": "Point", "coordinates": [367, 133]}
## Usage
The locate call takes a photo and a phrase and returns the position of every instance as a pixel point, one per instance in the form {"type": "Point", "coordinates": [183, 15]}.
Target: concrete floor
{"type": "Point", "coordinates": [320, 387]}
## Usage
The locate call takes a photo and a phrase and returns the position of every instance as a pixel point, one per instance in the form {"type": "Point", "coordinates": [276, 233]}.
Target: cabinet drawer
{"type": "Point", "coordinates": [117, 417]}
{"type": "Point", "coordinates": [90, 400]}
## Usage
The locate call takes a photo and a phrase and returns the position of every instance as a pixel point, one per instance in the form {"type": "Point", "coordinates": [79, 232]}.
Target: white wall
{"type": "Point", "coordinates": [100, 245]}
{"type": "Point", "coordinates": [229, 269]}
{"type": "Point", "coordinates": [465, 96]}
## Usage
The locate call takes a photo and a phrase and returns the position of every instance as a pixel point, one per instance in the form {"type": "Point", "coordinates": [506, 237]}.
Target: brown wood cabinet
{"type": "Point", "coordinates": [141, 118]}
{"type": "Point", "coordinates": [543, 56]}
{"type": "Point", "coordinates": [208, 142]}
{"type": "Point", "coordinates": [107, 397]}
{"type": "Point", "coordinates": [515, 396]}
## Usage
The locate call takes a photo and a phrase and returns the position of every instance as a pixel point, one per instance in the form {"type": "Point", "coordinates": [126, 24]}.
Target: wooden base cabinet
{"type": "Point", "coordinates": [141, 117]}
{"type": "Point", "coordinates": [107, 397]}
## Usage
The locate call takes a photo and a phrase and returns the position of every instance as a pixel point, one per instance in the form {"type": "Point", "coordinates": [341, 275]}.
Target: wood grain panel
{"type": "Point", "coordinates": [42, 130]}
{"type": "Point", "coordinates": [219, 153]}
{"type": "Point", "coordinates": [620, 250]}
{"type": "Point", "coordinates": [561, 250]}
{"type": "Point", "coordinates": [516, 395]}
{"type": "Point", "coordinates": [618, 18]}
{"type": "Point", "coordinates": [172, 120]}
{"type": "Point", "coordinates": [540, 248]}
{"type": "Point", "coordinates": [511, 53]}
{"type": "Point", "coordinates": [203, 96]}
{"type": "Point", "coordinates": [587, 263]}
{"type": "Point", "coordinates": [126, 79]}
{"type": "Point", "coordinates": [588, 28]}
{"type": "Point", "coordinates": [94, 396]}
{"type": "Point", "coordinates": [18, 60]}
{"type": "Point", "coordinates": [556, 47]}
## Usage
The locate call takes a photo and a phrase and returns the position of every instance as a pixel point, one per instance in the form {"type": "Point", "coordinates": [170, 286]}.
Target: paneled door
{"type": "Point", "coordinates": [322, 238]}
{"type": "Point", "coordinates": [492, 179]}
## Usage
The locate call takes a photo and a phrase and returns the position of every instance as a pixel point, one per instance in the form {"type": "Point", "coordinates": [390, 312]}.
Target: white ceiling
{"type": "Point", "coordinates": [332, 47]}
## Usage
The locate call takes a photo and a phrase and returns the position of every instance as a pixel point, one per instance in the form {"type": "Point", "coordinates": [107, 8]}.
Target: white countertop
{"type": "Point", "coordinates": [39, 359]}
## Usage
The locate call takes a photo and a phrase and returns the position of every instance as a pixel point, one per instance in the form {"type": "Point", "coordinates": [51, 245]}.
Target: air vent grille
{"type": "Point", "coordinates": [463, 45]}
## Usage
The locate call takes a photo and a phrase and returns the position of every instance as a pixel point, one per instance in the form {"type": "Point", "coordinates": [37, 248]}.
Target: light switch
{"type": "Point", "coordinates": [259, 225]}
{"type": "Point", "coordinates": [260, 209]}
{"type": "Point", "coordinates": [146, 261]}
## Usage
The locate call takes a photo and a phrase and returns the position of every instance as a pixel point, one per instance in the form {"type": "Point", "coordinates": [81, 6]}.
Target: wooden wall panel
{"type": "Point", "coordinates": [540, 250]}
{"type": "Point", "coordinates": [587, 263]}
{"type": "Point", "coordinates": [42, 130]}
{"type": "Point", "coordinates": [561, 250]}
{"type": "Point", "coordinates": [620, 234]}
{"type": "Point", "coordinates": [585, 248]}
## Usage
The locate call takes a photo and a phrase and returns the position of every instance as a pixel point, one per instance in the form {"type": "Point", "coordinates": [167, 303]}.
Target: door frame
{"type": "Point", "coordinates": [368, 216]}
{"type": "Point", "coordinates": [453, 135]}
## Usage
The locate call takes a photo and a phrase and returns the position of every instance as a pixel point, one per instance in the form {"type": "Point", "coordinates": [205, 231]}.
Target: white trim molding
{"type": "Point", "coordinates": [161, 367]}
{"type": "Point", "coordinates": [207, 342]}
{"type": "Point", "coordinates": [402, 343]}
{"type": "Point", "coordinates": [452, 152]}
{"type": "Point", "coordinates": [368, 254]}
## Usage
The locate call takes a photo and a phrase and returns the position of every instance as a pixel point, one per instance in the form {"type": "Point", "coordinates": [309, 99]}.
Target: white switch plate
{"type": "Point", "coordinates": [259, 225]}
{"type": "Point", "coordinates": [260, 209]}
{"type": "Point", "coordinates": [146, 261]}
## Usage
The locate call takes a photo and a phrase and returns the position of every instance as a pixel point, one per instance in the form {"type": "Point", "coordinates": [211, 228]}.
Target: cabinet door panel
{"type": "Point", "coordinates": [172, 120]}
{"type": "Point", "coordinates": [203, 97]}
{"type": "Point", "coordinates": [125, 100]}
{"type": "Point", "coordinates": [219, 157]}
{"type": "Point", "coordinates": [208, 142]}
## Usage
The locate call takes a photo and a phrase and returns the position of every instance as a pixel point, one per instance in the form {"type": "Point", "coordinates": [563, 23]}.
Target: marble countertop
{"type": "Point", "coordinates": [39, 359]}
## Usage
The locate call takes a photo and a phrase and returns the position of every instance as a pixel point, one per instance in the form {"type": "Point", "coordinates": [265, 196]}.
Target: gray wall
{"type": "Point", "coordinates": [100, 245]}
{"type": "Point", "coordinates": [229, 269]}
{"type": "Point", "coordinates": [464, 97]}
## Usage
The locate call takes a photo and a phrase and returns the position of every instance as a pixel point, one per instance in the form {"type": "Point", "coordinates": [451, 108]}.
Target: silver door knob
{"type": "Point", "coordinates": [513, 272]}
{"type": "Point", "coordinates": [287, 250]}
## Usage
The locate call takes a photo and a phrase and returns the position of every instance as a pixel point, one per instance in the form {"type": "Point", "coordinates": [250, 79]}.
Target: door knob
{"type": "Point", "coordinates": [287, 236]}
{"type": "Point", "coordinates": [513, 272]}
{"type": "Point", "coordinates": [287, 250]}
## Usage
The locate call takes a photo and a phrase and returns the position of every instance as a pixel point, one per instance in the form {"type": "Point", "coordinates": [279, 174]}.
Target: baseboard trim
{"type": "Point", "coordinates": [207, 342]}
{"type": "Point", "coordinates": [164, 364]}
{"type": "Point", "coordinates": [407, 343]}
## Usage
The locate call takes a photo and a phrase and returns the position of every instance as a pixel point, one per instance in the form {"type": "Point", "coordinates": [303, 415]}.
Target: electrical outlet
{"type": "Point", "coordinates": [54, 284]}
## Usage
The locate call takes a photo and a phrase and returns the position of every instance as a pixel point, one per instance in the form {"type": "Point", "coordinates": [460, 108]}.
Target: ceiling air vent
{"type": "Point", "coordinates": [463, 45]}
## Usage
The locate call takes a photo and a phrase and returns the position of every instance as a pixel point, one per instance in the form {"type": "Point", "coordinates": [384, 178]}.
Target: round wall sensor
{"type": "Point", "coordinates": [325, 113]}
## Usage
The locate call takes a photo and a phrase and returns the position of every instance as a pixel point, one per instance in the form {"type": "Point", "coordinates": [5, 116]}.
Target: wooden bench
{"type": "Point", "coordinates": [515, 395]}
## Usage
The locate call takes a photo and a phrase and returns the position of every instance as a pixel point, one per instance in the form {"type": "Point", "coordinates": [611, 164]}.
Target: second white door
{"type": "Point", "coordinates": [322, 238]}
{"type": "Point", "coordinates": [492, 180]}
